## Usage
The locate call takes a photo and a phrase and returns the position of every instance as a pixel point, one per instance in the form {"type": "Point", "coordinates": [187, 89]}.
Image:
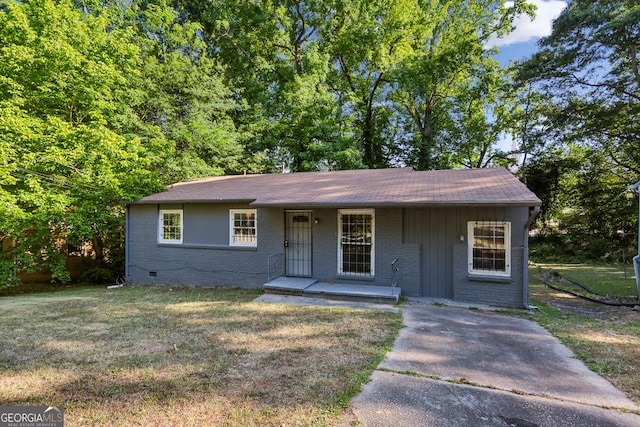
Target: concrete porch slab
{"type": "Point", "coordinates": [334, 290]}
{"type": "Point", "coordinates": [354, 289]}
{"type": "Point", "coordinates": [290, 283]}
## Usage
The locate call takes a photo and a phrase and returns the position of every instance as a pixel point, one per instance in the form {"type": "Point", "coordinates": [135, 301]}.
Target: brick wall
{"type": "Point", "coordinates": [199, 264]}
{"type": "Point", "coordinates": [218, 264]}
{"type": "Point", "coordinates": [486, 291]}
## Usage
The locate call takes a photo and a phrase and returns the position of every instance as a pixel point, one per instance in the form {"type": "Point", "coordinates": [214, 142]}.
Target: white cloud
{"type": "Point", "coordinates": [528, 30]}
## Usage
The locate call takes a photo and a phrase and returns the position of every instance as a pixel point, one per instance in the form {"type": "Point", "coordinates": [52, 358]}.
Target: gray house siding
{"type": "Point", "coordinates": [387, 246]}
{"type": "Point", "coordinates": [205, 257]}
{"type": "Point", "coordinates": [427, 241]}
{"type": "Point", "coordinates": [208, 224]}
{"type": "Point", "coordinates": [444, 258]}
{"type": "Point", "coordinates": [325, 249]}
{"type": "Point", "coordinates": [507, 293]}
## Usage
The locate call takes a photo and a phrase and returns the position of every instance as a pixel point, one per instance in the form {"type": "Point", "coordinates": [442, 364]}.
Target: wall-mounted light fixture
{"type": "Point", "coordinates": [316, 221]}
{"type": "Point", "coordinates": [462, 237]}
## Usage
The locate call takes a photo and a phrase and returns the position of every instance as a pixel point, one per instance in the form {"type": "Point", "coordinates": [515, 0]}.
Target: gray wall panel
{"type": "Point", "coordinates": [438, 231]}
{"type": "Point", "coordinates": [198, 263]}
{"type": "Point", "coordinates": [208, 224]}
{"type": "Point", "coordinates": [388, 246]}
{"type": "Point", "coordinates": [411, 270]}
{"type": "Point", "coordinates": [325, 246]}
{"type": "Point", "coordinates": [507, 294]}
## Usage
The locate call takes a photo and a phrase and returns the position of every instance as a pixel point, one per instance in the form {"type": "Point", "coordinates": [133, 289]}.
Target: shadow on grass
{"type": "Point", "coordinates": [136, 352]}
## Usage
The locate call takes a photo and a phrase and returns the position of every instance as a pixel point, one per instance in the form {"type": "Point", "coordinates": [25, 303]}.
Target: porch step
{"type": "Point", "coordinates": [333, 290]}
{"type": "Point", "coordinates": [288, 285]}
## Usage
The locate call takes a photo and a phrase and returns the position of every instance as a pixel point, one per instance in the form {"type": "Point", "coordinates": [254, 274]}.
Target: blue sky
{"type": "Point", "coordinates": [522, 42]}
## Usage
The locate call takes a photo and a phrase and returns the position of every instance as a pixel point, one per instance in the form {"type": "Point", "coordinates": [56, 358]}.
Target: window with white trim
{"type": "Point", "coordinates": [489, 248]}
{"type": "Point", "coordinates": [170, 226]}
{"type": "Point", "coordinates": [243, 227]}
{"type": "Point", "coordinates": [356, 242]}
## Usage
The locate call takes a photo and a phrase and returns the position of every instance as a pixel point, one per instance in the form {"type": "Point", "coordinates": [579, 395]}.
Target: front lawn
{"type": "Point", "coordinates": [606, 338]}
{"type": "Point", "coordinates": [186, 356]}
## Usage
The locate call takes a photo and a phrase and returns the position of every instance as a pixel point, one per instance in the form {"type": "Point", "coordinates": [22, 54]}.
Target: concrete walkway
{"type": "Point", "coordinates": [455, 366]}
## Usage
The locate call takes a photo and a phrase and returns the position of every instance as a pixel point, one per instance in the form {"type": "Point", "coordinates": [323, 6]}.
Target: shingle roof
{"type": "Point", "coordinates": [372, 187]}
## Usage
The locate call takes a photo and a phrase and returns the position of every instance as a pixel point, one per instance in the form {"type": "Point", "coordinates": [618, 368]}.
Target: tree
{"type": "Point", "coordinates": [450, 85]}
{"type": "Point", "coordinates": [184, 103]}
{"type": "Point", "coordinates": [589, 64]}
{"type": "Point", "coordinates": [367, 41]}
{"type": "Point", "coordinates": [586, 212]}
{"type": "Point", "coordinates": [63, 98]}
{"type": "Point", "coordinates": [545, 175]}
{"type": "Point", "coordinates": [480, 114]}
{"type": "Point", "coordinates": [335, 84]}
{"type": "Point", "coordinates": [587, 73]}
{"type": "Point", "coordinates": [306, 129]}
{"type": "Point", "coordinates": [276, 61]}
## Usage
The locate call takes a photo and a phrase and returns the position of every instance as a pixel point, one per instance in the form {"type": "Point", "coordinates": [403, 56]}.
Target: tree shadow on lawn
{"type": "Point", "coordinates": [124, 358]}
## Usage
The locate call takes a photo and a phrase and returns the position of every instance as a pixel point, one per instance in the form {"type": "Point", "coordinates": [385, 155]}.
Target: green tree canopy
{"type": "Point", "coordinates": [336, 84]}
{"type": "Point", "coordinates": [64, 91]}
{"type": "Point", "coordinates": [590, 66]}
{"type": "Point", "coordinates": [587, 76]}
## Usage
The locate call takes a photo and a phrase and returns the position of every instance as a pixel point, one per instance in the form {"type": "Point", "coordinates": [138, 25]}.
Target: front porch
{"type": "Point", "coordinates": [309, 287]}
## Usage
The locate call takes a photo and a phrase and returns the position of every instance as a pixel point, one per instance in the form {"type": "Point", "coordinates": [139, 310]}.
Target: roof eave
{"type": "Point", "coordinates": [190, 201]}
{"type": "Point", "coordinates": [442, 204]}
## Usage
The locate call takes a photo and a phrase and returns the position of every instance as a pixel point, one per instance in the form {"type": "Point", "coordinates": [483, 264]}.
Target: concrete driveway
{"type": "Point", "coordinates": [460, 367]}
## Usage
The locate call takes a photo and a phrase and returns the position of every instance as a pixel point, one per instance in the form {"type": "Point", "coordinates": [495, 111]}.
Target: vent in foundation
{"type": "Point", "coordinates": [153, 274]}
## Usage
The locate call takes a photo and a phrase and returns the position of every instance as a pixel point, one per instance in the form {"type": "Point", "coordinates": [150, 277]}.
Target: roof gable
{"type": "Point", "coordinates": [369, 187]}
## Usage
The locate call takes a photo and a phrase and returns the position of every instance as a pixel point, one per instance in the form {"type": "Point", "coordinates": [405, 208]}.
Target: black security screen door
{"type": "Point", "coordinates": [298, 247]}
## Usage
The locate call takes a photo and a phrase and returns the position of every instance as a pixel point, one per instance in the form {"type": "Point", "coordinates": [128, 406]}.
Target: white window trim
{"type": "Point", "coordinates": [161, 238]}
{"type": "Point", "coordinates": [232, 241]}
{"type": "Point", "coordinates": [507, 247]}
{"type": "Point", "coordinates": [371, 212]}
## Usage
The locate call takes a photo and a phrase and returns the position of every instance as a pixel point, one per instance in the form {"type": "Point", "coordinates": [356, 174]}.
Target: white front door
{"type": "Point", "coordinates": [298, 244]}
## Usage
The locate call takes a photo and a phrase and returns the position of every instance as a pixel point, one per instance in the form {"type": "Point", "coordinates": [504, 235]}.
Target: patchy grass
{"type": "Point", "coordinates": [606, 338]}
{"type": "Point", "coordinates": [186, 356]}
{"type": "Point", "coordinates": [608, 279]}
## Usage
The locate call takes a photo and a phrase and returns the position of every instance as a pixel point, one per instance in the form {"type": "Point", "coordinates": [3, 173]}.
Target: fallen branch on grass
{"type": "Point", "coordinates": [588, 298]}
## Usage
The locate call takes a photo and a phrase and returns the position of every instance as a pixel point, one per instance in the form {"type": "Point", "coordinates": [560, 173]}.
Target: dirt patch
{"type": "Point", "coordinates": [597, 311]}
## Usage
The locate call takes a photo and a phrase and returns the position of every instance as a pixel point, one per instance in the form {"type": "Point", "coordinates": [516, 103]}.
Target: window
{"type": "Point", "coordinates": [243, 228]}
{"type": "Point", "coordinates": [489, 248]}
{"type": "Point", "coordinates": [170, 227]}
{"type": "Point", "coordinates": [356, 242]}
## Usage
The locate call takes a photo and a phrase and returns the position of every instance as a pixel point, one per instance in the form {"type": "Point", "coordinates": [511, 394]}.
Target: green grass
{"type": "Point", "coordinates": [606, 338]}
{"type": "Point", "coordinates": [608, 279]}
{"type": "Point", "coordinates": [186, 356]}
